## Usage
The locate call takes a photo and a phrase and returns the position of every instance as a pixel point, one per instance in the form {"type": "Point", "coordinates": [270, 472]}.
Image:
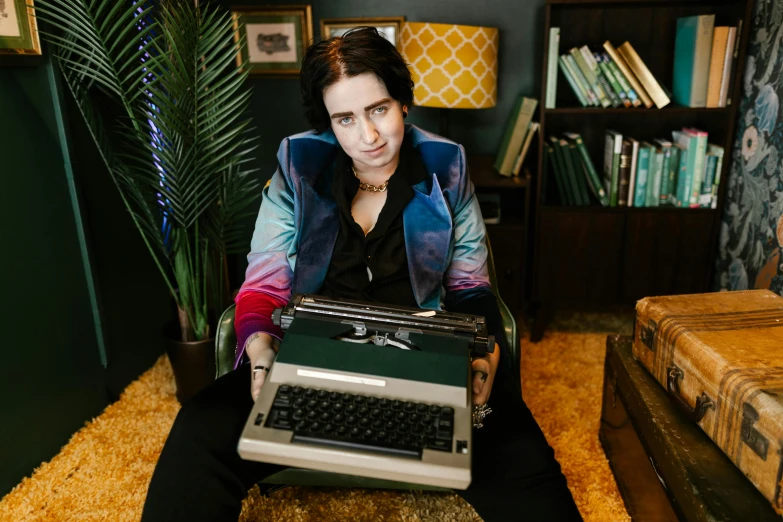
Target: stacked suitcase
{"type": "Point", "coordinates": [692, 418]}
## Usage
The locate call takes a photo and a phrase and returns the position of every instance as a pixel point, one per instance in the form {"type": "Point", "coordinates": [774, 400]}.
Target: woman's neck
{"type": "Point", "coordinates": [370, 174]}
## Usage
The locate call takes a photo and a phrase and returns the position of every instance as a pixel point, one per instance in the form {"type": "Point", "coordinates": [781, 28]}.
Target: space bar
{"type": "Point", "coordinates": [397, 452]}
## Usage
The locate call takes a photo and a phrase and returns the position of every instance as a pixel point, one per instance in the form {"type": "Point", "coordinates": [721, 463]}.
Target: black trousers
{"type": "Point", "coordinates": [200, 475]}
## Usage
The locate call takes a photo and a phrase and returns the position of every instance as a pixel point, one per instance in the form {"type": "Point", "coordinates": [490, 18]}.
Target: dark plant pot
{"type": "Point", "coordinates": [193, 362]}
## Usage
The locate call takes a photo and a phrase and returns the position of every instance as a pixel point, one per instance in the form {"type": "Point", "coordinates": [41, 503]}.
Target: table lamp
{"type": "Point", "coordinates": [453, 66]}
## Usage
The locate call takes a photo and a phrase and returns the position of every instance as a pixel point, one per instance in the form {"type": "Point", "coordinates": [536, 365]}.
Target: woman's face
{"type": "Point", "coordinates": [367, 122]}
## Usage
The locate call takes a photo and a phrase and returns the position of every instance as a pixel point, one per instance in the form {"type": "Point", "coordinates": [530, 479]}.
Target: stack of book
{"type": "Point", "coordinates": [517, 138]}
{"type": "Point", "coordinates": [606, 77]}
{"type": "Point", "coordinates": [704, 60]}
{"type": "Point", "coordinates": [682, 172]}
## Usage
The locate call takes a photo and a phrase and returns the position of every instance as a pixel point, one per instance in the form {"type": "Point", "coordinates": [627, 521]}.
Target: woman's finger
{"type": "Point", "coordinates": [257, 383]}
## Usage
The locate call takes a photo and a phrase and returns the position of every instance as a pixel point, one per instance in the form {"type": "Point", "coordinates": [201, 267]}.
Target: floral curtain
{"type": "Point", "coordinates": [750, 251]}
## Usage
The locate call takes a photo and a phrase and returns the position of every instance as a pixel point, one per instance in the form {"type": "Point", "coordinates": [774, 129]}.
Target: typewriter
{"type": "Point", "coordinates": [369, 390]}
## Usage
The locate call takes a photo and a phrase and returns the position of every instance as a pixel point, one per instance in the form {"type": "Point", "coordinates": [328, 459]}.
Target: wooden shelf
{"type": "Point", "coordinates": [633, 111]}
{"type": "Point", "coordinates": [591, 254]}
{"type": "Point", "coordinates": [625, 2]}
{"type": "Point", "coordinates": [624, 210]}
{"type": "Point", "coordinates": [484, 175]}
{"type": "Point", "coordinates": [511, 223]}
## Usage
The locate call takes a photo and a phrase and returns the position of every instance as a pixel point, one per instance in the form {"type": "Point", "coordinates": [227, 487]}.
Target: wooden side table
{"type": "Point", "coordinates": [666, 467]}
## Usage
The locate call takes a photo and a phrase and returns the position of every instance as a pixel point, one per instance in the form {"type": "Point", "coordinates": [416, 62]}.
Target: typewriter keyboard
{"type": "Point", "coordinates": [361, 422]}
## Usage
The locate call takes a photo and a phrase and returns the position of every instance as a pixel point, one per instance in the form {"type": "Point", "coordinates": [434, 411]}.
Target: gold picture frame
{"type": "Point", "coordinates": [19, 29]}
{"type": "Point", "coordinates": [275, 38]}
{"type": "Point", "coordinates": [388, 26]}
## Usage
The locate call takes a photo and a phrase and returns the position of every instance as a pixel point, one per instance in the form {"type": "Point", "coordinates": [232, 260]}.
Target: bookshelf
{"type": "Point", "coordinates": [596, 255]}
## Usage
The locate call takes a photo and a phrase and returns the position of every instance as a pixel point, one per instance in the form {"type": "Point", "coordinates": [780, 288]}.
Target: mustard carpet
{"type": "Point", "coordinates": [103, 472]}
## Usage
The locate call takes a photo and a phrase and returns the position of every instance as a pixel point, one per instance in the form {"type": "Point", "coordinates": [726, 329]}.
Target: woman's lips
{"type": "Point", "coordinates": [375, 152]}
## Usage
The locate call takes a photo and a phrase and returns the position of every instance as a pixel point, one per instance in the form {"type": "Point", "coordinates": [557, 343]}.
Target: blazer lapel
{"type": "Point", "coordinates": [319, 228]}
{"type": "Point", "coordinates": [428, 227]}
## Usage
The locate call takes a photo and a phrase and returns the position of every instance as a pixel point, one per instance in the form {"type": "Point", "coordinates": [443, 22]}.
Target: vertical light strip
{"type": "Point", "coordinates": [77, 214]}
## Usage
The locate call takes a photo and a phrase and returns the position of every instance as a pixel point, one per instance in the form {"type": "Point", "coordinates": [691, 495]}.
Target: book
{"type": "Point", "coordinates": [629, 75]}
{"type": "Point", "coordinates": [572, 82]}
{"type": "Point", "coordinates": [720, 39]}
{"type": "Point", "coordinates": [584, 85]}
{"type": "Point", "coordinates": [731, 51]}
{"type": "Point", "coordinates": [642, 174]}
{"type": "Point", "coordinates": [613, 145]}
{"type": "Point", "coordinates": [552, 66]}
{"type": "Point", "coordinates": [607, 71]}
{"type": "Point", "coordinates": [567, 193]}
{"type": "Point", "coordinates": [573, 176]}
{"type": "Point", "coordinates": [603, 82]}
{"type": "Point", "coordinates": [634, 161]}
{"type": "Point", "coordinates": [669, 198]}
{"type": "Point", "coordinates": [654, 174]}
{"type": "Point", "coordinates": [624, 173]}
{"type": "Point", "coordinates": [531, 131]}
{"type": "Point", "coordinates": [643, 75]}
{"type": "Point", "coordinates": [717, 151]}
{"type": "Point", "coordinates": [692, 53]}
{"type": "Point", "coordinates": [518, 125]}
{"type": "Point", "coordinates": [593, 181]}
{"type": "Point", "coordinates": [622, 80]}
{"type": "Point", "coordinates": [551, 160]}
{"type": "Point", "coordinates": [705, 194]}
{"type": "Point", "coordinates": [685, 174]}
{"type": "Point", "coordinates": [734, 59]}
{"type": "Point", "coordinates": [699, 144]}
{"type": "Point", "coordinates": [590, 76]}
{"type": "Point", "coordinates": [664, 190]}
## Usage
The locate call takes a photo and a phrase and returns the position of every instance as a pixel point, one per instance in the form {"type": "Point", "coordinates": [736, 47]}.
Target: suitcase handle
{"type": "Point", "coordinates": [703, 402]}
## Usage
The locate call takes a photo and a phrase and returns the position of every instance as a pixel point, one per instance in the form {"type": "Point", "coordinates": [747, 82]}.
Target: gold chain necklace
{"type": "Point", "coordinates": [368, 187]}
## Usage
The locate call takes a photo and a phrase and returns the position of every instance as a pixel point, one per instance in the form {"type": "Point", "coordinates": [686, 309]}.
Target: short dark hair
{"type": "Point", "coordinates": [360, 50]}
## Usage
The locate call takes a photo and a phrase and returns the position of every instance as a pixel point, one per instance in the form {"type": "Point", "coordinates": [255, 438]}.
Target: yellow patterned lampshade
{"type": "Point", "coordinates": [453, 66]}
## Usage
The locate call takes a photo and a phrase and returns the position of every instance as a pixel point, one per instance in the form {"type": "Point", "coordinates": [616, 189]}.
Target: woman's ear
{"type": "Point", "coordinates": [404, 111]}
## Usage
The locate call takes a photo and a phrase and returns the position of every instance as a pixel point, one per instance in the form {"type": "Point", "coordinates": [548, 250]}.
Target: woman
{"type": "Point", "coordinates": [363, 207]}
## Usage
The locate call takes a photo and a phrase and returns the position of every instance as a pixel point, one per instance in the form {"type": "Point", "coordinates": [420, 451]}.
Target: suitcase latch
{"type": "Point", "coordinates": [750, 436]}
{"type": "Point", "coordinates": [647, 334]}
{"type": "Point", "coordinates": [703, 401]}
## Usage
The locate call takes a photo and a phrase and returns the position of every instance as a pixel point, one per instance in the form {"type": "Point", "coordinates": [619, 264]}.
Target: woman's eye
{"type": "Point", "coordinates": [345, 121]}
{"type": "Point", "coordinates": [380, 110]}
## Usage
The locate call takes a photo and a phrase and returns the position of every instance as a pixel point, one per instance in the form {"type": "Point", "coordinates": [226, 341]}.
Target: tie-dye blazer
{"type": "Point", "coordinates": [298, 223]}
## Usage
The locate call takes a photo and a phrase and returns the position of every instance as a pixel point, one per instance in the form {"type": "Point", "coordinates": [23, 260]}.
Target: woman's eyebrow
{"type": "Point", "coordinates": [338, 115]}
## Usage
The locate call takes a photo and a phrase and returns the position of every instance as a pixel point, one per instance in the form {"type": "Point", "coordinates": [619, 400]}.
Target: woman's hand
{"type": "Point", "coordinates": [484, 369]}
{"type": "Point", "coordinates": [261, 352]}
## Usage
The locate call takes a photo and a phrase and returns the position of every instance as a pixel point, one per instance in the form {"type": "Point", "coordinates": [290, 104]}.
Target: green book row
{"type": "Point", "coordinates": [684, 172]}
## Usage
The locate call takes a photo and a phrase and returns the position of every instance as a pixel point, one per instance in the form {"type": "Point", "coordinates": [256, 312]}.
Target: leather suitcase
{"type": "Point", "coordinates": [666, 468]}
{"type": "Point", "coordinates": [720, 357]}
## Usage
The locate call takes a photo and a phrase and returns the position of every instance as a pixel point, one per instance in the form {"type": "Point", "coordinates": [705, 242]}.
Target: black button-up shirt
{"type": "Point", "coordinates": [373, 267]}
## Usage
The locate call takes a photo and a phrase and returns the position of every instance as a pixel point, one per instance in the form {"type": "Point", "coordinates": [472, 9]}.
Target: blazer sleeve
{"type": "Point", "coordinates": [466, 279]}
{"type": "Point", "coordinates": [269, 275]}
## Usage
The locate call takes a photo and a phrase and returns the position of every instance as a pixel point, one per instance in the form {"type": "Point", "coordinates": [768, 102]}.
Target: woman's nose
{"type": "Point", "coordinates": [369, 133]}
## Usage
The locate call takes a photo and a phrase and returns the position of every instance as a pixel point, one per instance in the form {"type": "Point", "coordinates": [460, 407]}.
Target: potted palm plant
{"type": "Point", "coordinates": [167, 106]}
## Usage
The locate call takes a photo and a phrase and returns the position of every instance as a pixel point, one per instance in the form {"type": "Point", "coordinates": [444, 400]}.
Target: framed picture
{"type": "Point", "coordinates": [388, 26]}
{"type": "Point", "coordinates": [18, 28]}
{"type": "Point", "coordinates": [276, 37]}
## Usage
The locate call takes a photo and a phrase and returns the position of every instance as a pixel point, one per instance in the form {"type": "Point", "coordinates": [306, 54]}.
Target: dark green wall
{"type": "Point", "coordinates": [52, 378]}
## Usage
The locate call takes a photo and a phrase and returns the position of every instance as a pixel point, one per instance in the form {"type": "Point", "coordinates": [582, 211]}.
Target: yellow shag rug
{"type": "Point", "coordinates": [103, 472]}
